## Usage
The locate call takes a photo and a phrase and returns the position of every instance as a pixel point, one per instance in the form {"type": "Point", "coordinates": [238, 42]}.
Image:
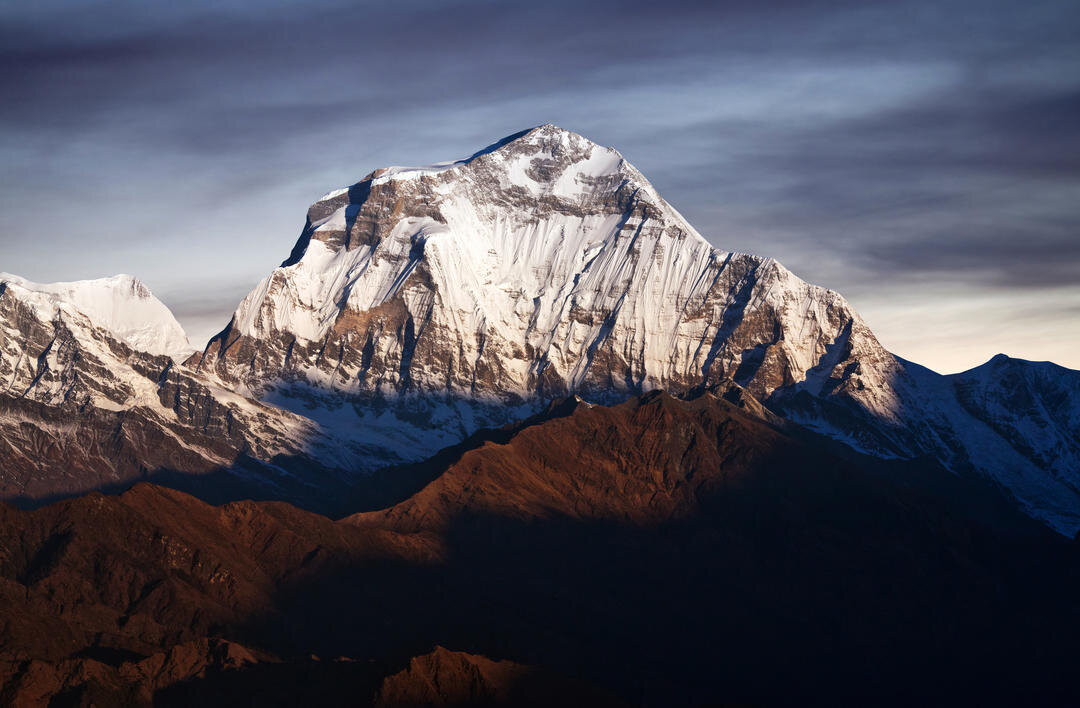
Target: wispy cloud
{"type": "Point", "coordinates": [933, 146]}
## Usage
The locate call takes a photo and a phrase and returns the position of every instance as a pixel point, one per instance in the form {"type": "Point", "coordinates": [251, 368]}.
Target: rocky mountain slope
{"type": "Point", "coordinates": [124, 601]}
{"type": "Point", "coordinates": [93, 394]}
{"type": "Point", "coordinates": [457, 295]}
{"type": "Point", "coordinates": [422, 304]}
{"type": "Point", "coordinates": [715, 560]}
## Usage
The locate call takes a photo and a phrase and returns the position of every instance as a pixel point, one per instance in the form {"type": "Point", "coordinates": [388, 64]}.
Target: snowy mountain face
{"type": "Point", "coordinates": [543, 264]}
{"type": "Point", "coordinates": [421, 304]}
{"type": "Point", "coordinates": [81, 343]}
{"type": "Point", "coordinates": [92, 393]}
{"type": "Point", "coordinates": [121, 306]}
{"type": "Point", "coordinates": [1035, 408]}
{"type": "Point", "coordinates": [1033, 405]}
{"type": "Point", "coordinates": [1008, 420]}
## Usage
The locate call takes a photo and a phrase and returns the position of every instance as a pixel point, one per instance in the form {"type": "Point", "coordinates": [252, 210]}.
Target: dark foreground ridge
{"type": "Point", "coordinates": [657, 552]}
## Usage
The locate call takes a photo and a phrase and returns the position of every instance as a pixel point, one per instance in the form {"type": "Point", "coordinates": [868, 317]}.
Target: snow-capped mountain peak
{"type": "Point", "coordinates": [439, 299]}
{"type": "Point", "coordinates": [423, 303]}
{"type": "Point", "coordinates": [119, 304]}
{"type": "Point", "coordinates": [541, 265]}
{"type": "Point", "coordinates": [528, 255]}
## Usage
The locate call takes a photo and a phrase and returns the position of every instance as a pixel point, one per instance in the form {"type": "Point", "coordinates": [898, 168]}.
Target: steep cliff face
{"type": "Point", "coordinates": [542, 265]}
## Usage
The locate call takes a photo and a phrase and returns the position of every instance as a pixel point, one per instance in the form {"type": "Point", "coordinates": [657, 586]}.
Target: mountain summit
{"type": "Point", "coordinates": [542, 265]}
{"type": "Point", "coordinates": [121, 305]}
{"type": "Point", "coordinates": [422, 304]}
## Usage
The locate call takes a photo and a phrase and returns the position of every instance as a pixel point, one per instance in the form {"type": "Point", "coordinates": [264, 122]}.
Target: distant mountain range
{"type": "Point", "coordinates": [421, 305]}
{"type": "Point", "coordinates": [575, 454]}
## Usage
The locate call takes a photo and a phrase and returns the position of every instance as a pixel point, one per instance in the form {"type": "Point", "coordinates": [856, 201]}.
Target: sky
{"type": "Point", "coordinates": [921, 158]}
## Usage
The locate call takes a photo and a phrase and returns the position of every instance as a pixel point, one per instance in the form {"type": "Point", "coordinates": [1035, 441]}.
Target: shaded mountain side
{"type": "Point", "coordinates": [389, 485]}
{"type": "Point", "coordinates": [50, 453]}
{"type": "Point", "coordinates": [678, 553]}
{"type": "Point", "coordinates": [218, 672]}
{"type": "Point", "coordinates": [1015, 423]}
{"type": "Point", "coordinates": [655, 458]}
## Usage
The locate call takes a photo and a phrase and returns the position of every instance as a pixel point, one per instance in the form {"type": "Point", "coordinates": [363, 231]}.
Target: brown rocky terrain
{"type": "Point", "coordinates": [447, 678]}
{"type": "Point", "coordinates": [662, 551]}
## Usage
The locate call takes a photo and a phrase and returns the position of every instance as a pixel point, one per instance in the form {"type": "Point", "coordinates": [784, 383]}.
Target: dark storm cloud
{"type": "Point", "coordinates": [987, 184]}
{"type": "Point", "coordinates": [278, 70]}
{"type": "Point", "coordinates": [976, 181]}
{"type": "Point", "coordinates": [1018, 256]}
{"type": "Point", "coordinates": [255, 83]}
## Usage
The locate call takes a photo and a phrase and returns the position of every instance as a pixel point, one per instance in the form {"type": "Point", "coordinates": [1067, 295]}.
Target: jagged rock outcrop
{"type": "Point", "coordinates": [449, 679]}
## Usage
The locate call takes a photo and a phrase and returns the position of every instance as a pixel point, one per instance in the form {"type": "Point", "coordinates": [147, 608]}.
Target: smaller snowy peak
{"type": "Point", "coordinates": [999, 361]}
{"type": "Point", "coordinates": [998, 370]}
{"type": "Point", "coordinates": [119, 304]}
{"type": "Point", "coordinates": [1040, 389]}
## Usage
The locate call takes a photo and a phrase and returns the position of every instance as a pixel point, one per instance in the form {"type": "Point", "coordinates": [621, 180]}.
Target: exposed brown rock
{"type": "Point", "coordinates": [445, 679]}
{"type": "Point", "coordinates": [671, 552]}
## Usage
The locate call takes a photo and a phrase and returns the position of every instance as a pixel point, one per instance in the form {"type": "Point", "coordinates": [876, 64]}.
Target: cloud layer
{"type": "Point", "coordinates": [923, 158]}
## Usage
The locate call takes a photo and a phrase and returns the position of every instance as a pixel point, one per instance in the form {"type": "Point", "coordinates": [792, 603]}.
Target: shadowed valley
{"type": "Point", "coordinates": [660, 551]}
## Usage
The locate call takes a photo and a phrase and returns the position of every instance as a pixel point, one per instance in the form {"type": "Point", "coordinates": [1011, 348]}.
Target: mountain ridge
{"type": "Point", "coordinates": [544, 266]}
{"type": "Point", "coordinates": [421, 305]}
{"type": "Point", "coordinates": [767, 567]}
